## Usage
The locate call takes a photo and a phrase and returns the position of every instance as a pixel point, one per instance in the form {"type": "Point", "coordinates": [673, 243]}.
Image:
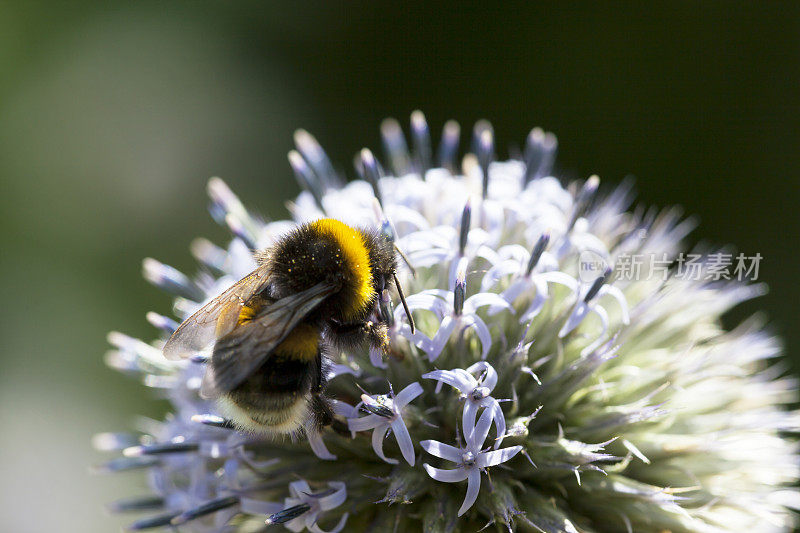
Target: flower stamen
{"type": "Point", "coordinates": [288, 514]}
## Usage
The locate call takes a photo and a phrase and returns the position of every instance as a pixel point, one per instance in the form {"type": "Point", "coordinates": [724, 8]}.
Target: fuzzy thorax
{"type": "Point", "coordinates": [320, 251]}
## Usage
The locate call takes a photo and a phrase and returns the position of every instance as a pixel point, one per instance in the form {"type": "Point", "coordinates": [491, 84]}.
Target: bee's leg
{"type": "Point", "coordinates": [348, 332]}
{"type": "Point", "coordinates": [322, 410]}
{"type": "Point", "coordinates": [318, 380]}
{"type": "Point", "coordinates": [324, 414]}
{"type": "Point", "coordinates": [340, 426]}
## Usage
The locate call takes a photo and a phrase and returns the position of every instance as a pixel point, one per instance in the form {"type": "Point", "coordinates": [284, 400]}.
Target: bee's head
{"type": "Point", "coordinates": [383, 263]}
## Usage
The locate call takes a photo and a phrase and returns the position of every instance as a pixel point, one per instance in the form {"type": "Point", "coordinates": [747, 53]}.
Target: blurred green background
{"type": "Point", "coordinates": [113, 115]}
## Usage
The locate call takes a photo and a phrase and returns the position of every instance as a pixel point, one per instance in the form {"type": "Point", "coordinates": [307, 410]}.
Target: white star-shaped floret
{"type": "Point", "coordinates": [470, 459]}
{"type": "Point", "coordinates": [476, 392]}
{"type": "Point", "coordinates": [455, 312]}
{"type": "Point", "coordinates": [311, 505]}
{"type": "Point", "coordinates": [390, 416]}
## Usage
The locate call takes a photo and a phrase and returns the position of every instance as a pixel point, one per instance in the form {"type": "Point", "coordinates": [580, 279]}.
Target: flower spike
{"type": "Point", "coordinates": [540, 152]}
{"type": "Point", "coordinates": [421, 137]}
{"type": "Point", "coordinates": [448, 148]}
{"type": "Point", "coordinates": [371, 172]}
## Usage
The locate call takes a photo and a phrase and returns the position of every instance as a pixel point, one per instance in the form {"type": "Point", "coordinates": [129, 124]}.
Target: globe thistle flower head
{"type": "Point", "coordinates": [529, 382]}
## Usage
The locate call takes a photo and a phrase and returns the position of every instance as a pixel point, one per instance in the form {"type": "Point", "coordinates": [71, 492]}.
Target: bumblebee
{"type": "Point", "coordinates": [318, 288]}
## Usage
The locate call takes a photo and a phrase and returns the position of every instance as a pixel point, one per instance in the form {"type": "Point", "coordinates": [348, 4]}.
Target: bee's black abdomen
{"type": "Point", "coordinates": [285, 375]}
{"type": "Point", "coordinates": [271, 395]}
{"type": "Point", "coordinates": [278, 376]}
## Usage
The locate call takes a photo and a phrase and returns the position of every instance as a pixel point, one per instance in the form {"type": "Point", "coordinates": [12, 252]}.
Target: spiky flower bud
{"type": "Point", "coordinates": [544, 388]}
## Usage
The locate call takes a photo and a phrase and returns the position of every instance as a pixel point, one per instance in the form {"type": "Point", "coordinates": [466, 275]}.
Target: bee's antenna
{"type": "Point", "coordinates": [406, 261]}
{"type": "Point", "coordinates": [387, 229]}
{"type": "Point", "coordinates": [405, 305]}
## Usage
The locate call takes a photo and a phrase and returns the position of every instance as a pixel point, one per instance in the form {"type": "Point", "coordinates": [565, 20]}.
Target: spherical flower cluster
{"type": "Point", "coordinates": [535, 394]}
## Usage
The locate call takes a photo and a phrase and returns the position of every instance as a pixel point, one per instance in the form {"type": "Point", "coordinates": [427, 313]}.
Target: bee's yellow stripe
{"type": "Point", "coordinates": [246, 314]}
{"type": "Point", "coordinates": [301, 344]}
{"type": "Point", "coordinates": [357, 262]}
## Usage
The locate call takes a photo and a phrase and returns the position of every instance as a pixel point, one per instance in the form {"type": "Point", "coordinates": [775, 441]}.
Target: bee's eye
{"type": "Point", "coordinates": [381, 283]}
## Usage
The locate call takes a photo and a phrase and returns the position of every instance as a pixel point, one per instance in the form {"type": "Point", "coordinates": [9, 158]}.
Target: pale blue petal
{"type": "Point", "coordinates": [343, 409]}
{"type": "Point", "coordinates": [310, 518]}
{"type": "Point", "coordinates": [296, 525]}
{"type": "Point", "coordinates": [560, 278]}
{"type": "Point", "coordinates": [337, 370]}
{"type": "Point", "coordinates": [259, 507]}
{"type": "Point", "coordinates": [376, 357]}
{"type": "Point", "coordinates": [452, 272]}
{"type": "Point", "coordinates": [377, 443]}
{"type": "Point", "coordinates": [473, 488]}
{"type": "Point", "coordinates": [427, 300]}
{"type": "Point", "coordinates": [318, 446]}
{"type": "Point", "coordinates": [499, 420]}
{"type": "Point", "coordinates": [314, 528]}
{"type": "Point", "coordinates": [477, 237]}
{"type": "Point", "coordinates": [615, 293]}
{"type": "Point", "coordinates": [298, 488]}
{"type": "Point", "coordinates": [487, 459]}
{"type": "Point", "coordinates": [488, 254]}
{"type": "Point", "coordinates": [478, 436]}
{"type": "Point", "coordinates": [514, 290]}
{"type": "Point", "coordinates": [364, 423]}
{"type": "Point", "coordinates": [399, 213]}
{"type": "Point", "coordinates": [575, 318]}
{"type": "Point", "coordinates": [452, 378]}
{"type": "Point", "coordinates": [603, 316]}
{"type": "Point", "coordinates": [406, 395]}
{"type": "Point", "coordinates": [440, 339]}
{"type": "Point", "coordinates": [601, 313]}
{"type": "Point", "coordinates": [439, 237]}
{"type": "Point", "coordinates": [445, 295]}
{"type": "Point", "coordinates": [587, 241]}
{"type": "Point", "coordinates": [476, 323]}
{"type": "Point", "coordinates": [476, 301]}
{"type": "Point", "coordinates": [468, 416]}
{"type": "Point", "coordinates": [547, 263]}
{"type": "Point", "coordinates": [533, 310]}
{"type": "Point", "coordinates": [490, 380]}
{"type": "Point", "coordinates": [441, 450]}
{"type": "Point", "coordinates": [515, 252]}
{"type": "Point", "coordinates": [403, 440]}
{"type": "Point", "coordinates": [498, 271]}
{"type": "Point", "coordinates": [426, 258]}
{"type": "Point", "coordinates": [331, 501]}
{"type": "Point", "coordinates": [468, 380]}
{"type": "Point", "coordinates": [538, 300]}
{"type": "Point", "coordinates": [241, 259]}
{"type": "Point", "coordinates": [418, 339]}
{"type": "Point", "coordinates": [444, 475]}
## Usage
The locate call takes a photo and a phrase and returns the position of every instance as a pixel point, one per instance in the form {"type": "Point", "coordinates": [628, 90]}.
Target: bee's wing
{"type": "Point", "coordinates": [216, 318]}
{"type": "Point", "coordinates": [238, 354]}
